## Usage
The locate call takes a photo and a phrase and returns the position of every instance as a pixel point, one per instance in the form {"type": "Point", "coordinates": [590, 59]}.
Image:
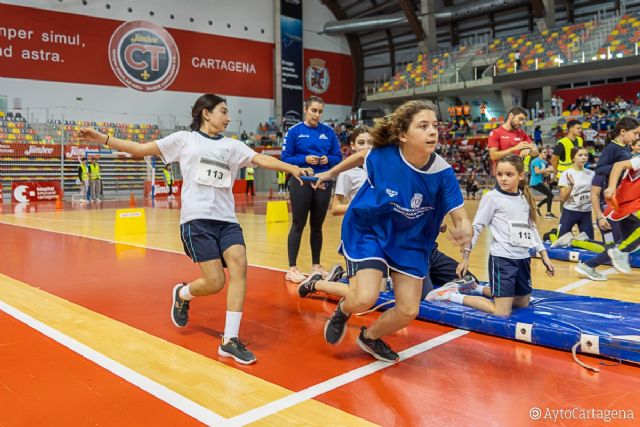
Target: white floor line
{"type": "Point", "coordinates": [581, 282]}
{"type": "Point", "coordinates": [124, 243]}
{"type": "Point", "coordinates": [155, 389]}
{"type": "Point", "coordinates": [339, 381]}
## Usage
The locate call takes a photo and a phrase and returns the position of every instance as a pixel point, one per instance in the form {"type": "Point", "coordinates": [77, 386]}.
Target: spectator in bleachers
{"type": "Point", "coordinates": [537, 135]}
{"type": "Point", "coordinates": [483, 111]}
{"type": "Point", "coordinates": [510, 138]}
{"type": "Point", "coordinates": [561, 159]}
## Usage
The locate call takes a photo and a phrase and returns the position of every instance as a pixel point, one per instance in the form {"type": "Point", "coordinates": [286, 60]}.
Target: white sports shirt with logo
{"type": "Point", "coordinates": [202, 196]}
{"type": "Point", "coordinates": [580, 198]}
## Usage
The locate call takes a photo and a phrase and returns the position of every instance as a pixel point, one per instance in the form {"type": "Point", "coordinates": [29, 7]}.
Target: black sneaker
{"type": "Point", "coordinates": [238, 351]}
{"type": "Point", "coordinates": [336, 326]}
{"type": "Point", "coordinates": [308, 285]}
{"type": "Point", "coordinates": [550, 215]}
{"type": "Point", "coordinates": [335, 273]}
{"type": "Point", "coordinates": [377, 348]}
{"type": "Point", "coordinates": [179, 307]}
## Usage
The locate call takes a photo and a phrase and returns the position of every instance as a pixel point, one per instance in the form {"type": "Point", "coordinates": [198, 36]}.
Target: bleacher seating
{"type": "Point", "coordinates": [546, 46]}
{"type": "Point", "coordinates": [623, 38]}
{"type": "Point", "coordinates": [15, 129]}
{"type": "Point", "coordinates": [132, 132]}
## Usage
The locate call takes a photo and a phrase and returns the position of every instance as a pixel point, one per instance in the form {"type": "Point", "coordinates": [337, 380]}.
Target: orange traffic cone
{"type": "Point", "coordinates": [270, 192]}
{"type": "Point", "coordinates": [58, 203]}
{"type": "Point", "coordinates": [132, 200]}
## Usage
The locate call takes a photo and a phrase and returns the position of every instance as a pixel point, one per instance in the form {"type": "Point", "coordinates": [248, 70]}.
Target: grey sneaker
{"type": "Point", "coordinates": [179, 307]}
{"type": "Point", "coordinates": [238, 351]}
{"type": "Point", "coordinates": [590, 272]}
{"type": "Point", "coordinates": [442, 293]}
{"type": "Point", "coordinates": [336, 326]}
{"type": "Point", "coordinates": [308, 285]}
{"type": "Point", "coordinates": [563, 241]}
{"type": "Point", "coordinates": [466, 284]}
{"type": "Point", "coordinates": [335, 273]}
{"type": "Point", "coordinates": [377, 348]}
{"type": "Point", "coordinates": [620, 260]}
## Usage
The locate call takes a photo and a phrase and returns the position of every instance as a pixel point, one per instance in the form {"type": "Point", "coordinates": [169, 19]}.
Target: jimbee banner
{"type": "Point", "coordinates": [64, 47]}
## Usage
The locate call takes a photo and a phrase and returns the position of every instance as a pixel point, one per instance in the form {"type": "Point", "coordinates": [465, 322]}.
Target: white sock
{"type": "Point", "coordinates": [456, 297]}
{"type": "Point", "coordinates": [185, 294]}
{"type": "Point", "coordinates": [231, 326]}
{"type": "Point", "coordinates": [478, 290]}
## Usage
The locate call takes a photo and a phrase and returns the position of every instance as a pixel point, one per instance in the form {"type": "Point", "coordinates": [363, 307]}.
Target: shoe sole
{"type": "Point", "coordinates": [366, 348]}
{"type": "Point", "coordinates": [289, 279]}
{"type": "Point", "coordinates": [223, 353]}
{"type": "Point", "coordinates": [616, 265]}
{"type": "Point", "coordinates": [588, 276]}
{"type": "Point", "coordinates": [344, 332]}
{"type": "Point", "coordinates": [173, 304]}
{"type": "Point", "coordinates": [330, 277]}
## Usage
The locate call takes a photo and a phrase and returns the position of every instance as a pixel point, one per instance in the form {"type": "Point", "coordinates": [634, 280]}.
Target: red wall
{"type": "Point", "coordinates": [605, 92]}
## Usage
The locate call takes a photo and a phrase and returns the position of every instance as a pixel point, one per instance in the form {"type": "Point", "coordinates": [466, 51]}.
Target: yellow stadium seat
{"type": "Point", "coordinates": [566, 113]}
{"type": "Point", "coordinates": [586, 125]}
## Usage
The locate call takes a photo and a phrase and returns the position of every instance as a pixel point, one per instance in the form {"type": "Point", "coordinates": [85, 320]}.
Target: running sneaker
{"type": "Point", "coordinates": [620, 260]}
{"type": "Point", "coordinates": [563, 241]}
{"type": "Point", "coordinates": [336, 325]}
{"type": "Point", "coordinates": [308, 285]}
{"type": "Point", "coordinates": [335, 273]}
{"type": "Point", "coordinates": [236, 350]}
{"type": "Point", "coordinates": [377, 348]}
{"type": "Point", "coordinates": [582, 236]}
{"type": "Point", "coordinates": [466, 284]}
{"type": "Point", "coordinates": [590, 272]}
{"type": "Point", "coordinates": [550, 215]}
{"type": "Point", "coordinates": [294, 275]}
{"type": "Point", "coordinates": [442, 293]}
{"type": "Point", "coordinates": [315, 269]}
{"type": "Point", "coordinates": [179, 307]}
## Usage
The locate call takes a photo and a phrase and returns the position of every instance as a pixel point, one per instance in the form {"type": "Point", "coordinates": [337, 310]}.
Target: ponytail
{"type": "Point", "coordinates": [528, 196]}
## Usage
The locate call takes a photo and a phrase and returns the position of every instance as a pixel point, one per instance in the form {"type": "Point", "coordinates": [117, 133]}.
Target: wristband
{"type": "Point", "coordinates": [107, 141]}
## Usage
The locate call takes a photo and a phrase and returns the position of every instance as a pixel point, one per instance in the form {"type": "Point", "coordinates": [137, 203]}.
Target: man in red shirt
{"type": "Point", "coordinates": [510, 138]}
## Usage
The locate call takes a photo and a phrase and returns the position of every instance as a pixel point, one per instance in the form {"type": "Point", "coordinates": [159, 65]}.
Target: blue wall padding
{"type": "Point", "coordinates": [558, 321]}
{"type": "Point", "coordinates": [583, 255]}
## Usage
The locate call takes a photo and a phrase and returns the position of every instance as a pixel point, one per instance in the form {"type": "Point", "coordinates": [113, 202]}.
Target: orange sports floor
{"type": "Point", "coordinates": [86, 339]}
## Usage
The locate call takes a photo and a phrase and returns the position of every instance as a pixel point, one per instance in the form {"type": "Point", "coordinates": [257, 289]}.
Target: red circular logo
{"type": "Point", "coordinates": [143, 56]}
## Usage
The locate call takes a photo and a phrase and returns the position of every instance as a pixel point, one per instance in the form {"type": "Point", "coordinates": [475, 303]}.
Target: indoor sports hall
{"type": "Point", "coordinates": [91, 244]}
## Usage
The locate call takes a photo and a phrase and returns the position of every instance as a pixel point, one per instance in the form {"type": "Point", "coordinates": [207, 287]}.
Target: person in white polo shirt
{"type": "Point", "coordinates": [210, 232]}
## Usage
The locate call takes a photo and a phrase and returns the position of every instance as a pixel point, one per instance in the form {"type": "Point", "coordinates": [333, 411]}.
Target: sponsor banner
{"type": "Point", "coordinates": [162, 189]}
{"type": "Point", "coordinates": [292, 53]}
{"type": "Point", "coordinates": [329, 76]}
{"type": "Point", "coordinates": [29, 150]}
{"type": "Point", "coordinates": [1, 198]}
{"type": "Point", "coordinates": [64, 47]}
{"type": "Point", "coordinates": [26, 191]}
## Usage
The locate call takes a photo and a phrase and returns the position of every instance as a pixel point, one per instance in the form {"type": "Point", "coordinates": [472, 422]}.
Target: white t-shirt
{"type": "Point", "coordinates": [349, 182]}
{"type": "Point", "coordinates": [580, 198]}
{"type": "Point", "coordinates": [209, 166]}
{"type": "Point", "coordinates": [507, 216]}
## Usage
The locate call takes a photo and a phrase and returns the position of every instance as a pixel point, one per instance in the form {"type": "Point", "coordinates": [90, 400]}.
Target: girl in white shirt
{"type": "Point", "coordinates": [509, 211]}
{"type": "Point", "coordinates": [210, 232]}
{"type": "Point", "coordinates": [575, 193]}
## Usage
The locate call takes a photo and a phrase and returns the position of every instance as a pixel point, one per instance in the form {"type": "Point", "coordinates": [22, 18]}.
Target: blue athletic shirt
{"type": "Point", "coordinates": [537, 178]}
{"type": "Point", "coordinates": [302, 141]}
{"type": "Point", "coordinates": [396, 215]}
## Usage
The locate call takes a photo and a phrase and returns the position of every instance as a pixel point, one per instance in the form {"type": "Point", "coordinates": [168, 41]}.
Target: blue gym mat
{"type": "Point", "coordinates": [597, 326]}
{"type": "Point", "coordinates": [576, 254]}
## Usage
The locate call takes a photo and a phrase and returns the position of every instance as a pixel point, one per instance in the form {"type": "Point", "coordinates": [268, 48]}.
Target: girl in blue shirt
{"type": "Point", "coordinates": [309, 144]}
{"type": "Point", "coordinates": [393, 221]}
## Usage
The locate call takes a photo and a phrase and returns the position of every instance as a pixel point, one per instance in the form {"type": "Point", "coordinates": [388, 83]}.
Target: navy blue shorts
{"type": "Point", "coordinates": [207, 239]}
{"type": "Point", "coordinates": [354, 266]}
{"type": "Point", "coordinates": [509, 277]}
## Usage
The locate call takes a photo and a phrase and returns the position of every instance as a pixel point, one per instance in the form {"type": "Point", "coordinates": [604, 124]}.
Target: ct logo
{"type": "Point", "coordinates": [317, 76]}
{"type": "Point", "coordinates": [143, 56]}
{"type": "Point", "coordinates": [19, 193]}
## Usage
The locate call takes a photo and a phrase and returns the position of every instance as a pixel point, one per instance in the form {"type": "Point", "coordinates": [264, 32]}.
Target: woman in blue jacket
{"type": "Point", "coordinates": [309, 144]}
